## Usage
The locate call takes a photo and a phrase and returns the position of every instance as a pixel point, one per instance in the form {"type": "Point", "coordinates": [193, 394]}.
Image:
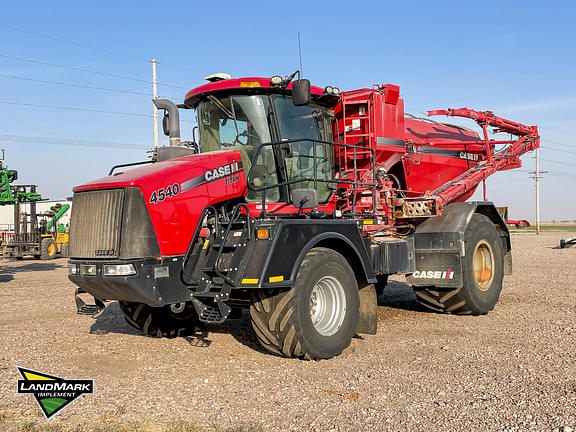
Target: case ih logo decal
{"type": "Point", "coordinates": [469, 156]}
{"type": "Point", "coordinates": [105, 252]}
{"type": "Point", "coordinates": [448, 274]}
{"type": "Point", "coordinates": [229, 172]}
{"type": "Point", "coordinates": [52, 393]}
{"type": "Point", "coordinates": [223, 171]}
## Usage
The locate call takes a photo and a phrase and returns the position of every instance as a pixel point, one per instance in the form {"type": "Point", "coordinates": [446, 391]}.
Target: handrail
{"type": "Point", "coordinates": [195, 236]}
{"type": "Point", "coordinates": [130, 164]}
{"type": "Point", "coordinates": [315, 178]}
{"type": "Point", "coordinates": [225, 239]}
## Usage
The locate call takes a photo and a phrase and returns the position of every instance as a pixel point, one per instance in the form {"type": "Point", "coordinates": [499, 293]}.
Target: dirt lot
{"type": "Point", "coordinates": [514, 369]}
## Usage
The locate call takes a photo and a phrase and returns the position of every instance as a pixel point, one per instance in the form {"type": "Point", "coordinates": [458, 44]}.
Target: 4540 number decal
{"type": "Point", "coordinates": [228, 173]}
{"type": "Point", "coordinates": [165, 193]}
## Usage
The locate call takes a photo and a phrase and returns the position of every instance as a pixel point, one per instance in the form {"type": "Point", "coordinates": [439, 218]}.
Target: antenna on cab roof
{"type": "Point", "coordinates": [300, 54]}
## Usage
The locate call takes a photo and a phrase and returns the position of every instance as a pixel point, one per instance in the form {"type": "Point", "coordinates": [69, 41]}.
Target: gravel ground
{"type": "Point", "coordinates": [513, 369]}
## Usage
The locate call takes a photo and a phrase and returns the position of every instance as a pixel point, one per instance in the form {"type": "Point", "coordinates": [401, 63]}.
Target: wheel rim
{"type": "Point", "coordinates": [51, 249]}
{"type": "Point", "coordinates": [483, 263]}
{"type": "Point", "coordinates": [182, 311]}
{"type": "Point", "coordinates": [178, 307]}
{"type": "Point", "coordinates": [327, 305]}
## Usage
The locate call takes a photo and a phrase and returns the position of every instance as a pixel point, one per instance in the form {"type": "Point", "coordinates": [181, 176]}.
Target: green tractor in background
{"type": "Point", "coordinates": [36, 234]}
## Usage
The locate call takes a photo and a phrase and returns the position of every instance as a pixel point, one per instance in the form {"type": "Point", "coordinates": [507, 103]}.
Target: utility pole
{"type": "Point", "coordinates": [155, 96]}
{"type": "Point", "coordinates": [536, 176]}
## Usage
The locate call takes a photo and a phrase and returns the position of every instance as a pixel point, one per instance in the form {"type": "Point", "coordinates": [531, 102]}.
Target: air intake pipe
{"type": "Point", "coordinates": [171, 120]}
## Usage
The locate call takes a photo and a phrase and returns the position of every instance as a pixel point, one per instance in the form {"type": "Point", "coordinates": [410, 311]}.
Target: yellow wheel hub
{"type": "Point", "coordinates": [483, 263]}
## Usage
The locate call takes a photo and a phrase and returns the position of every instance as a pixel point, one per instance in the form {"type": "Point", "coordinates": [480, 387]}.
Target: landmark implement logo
{"type": "Point", "coordinates": [52, 393]}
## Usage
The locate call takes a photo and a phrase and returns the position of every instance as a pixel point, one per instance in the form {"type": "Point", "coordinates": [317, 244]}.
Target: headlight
{"type": "Point", "coordinates": [72, 269]}
{"type": "Point", "coordinates": [119, 269]}
{"type": "Point", "coordinates": [88, 269]}
{"type": "Point", "coordinates": [331, 90]}
{"type": "Point", "coordinates": [276, 80]}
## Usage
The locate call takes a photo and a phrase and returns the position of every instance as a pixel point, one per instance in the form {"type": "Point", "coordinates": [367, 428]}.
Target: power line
{"type": "Point", "coordinates": [559, 162]}
{"type": "Point", "coordinates": [75, 109]}
{"type": "Point", "coordinates": [74, 85]}
{"type": "Point", "coordinates": [91, 47]}
{"type": "Point", "coordinates": [77, 69]}
{"type": "Point", "coordinates": [562, 174]}
{"type": "Point", "coordinates": [557, 149]}
{"type": "Point", "coordinates": [561, 144]}
{"type": "Point", "coordinates": [68, 108]}
{"type": "Point", "coordinates": [68, 142]}
{"type": "Point", "coordinates": [78, 44]}
{"type": "Point", "coordinates": [556, 142]}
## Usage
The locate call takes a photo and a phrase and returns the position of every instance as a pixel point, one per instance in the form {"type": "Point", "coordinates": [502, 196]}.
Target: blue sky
{"type": "Point", "coordinates": [514, 58]}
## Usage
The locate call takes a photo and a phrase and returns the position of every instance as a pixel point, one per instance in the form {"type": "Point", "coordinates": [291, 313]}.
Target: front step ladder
{"type": "Point", "coordinates": [82, 308]}
{"type": "Point", "coordinates": [215, 313]}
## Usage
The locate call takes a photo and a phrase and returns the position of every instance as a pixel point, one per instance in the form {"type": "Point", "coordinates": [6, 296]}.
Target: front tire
{"type": "Point", "coordinates": [482, 274]}
{"type": "Point", "coordinates": [163, 321]}
{"type": "Point", "coordinates": [48, 249]}
{"type": "Point", "coordinates": [317, 317]}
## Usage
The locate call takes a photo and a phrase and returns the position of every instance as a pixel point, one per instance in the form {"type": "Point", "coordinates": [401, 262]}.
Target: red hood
{"type": "Point", "coordinates": [176, 191]}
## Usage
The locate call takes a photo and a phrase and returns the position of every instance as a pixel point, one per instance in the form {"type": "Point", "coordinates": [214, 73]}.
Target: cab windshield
{"type": "Point", "coordinates": [242, 123]}
{"type": "Point", "coordinates": [233, 121]}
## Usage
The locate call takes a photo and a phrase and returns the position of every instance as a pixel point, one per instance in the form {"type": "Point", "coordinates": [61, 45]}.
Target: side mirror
{"type": "Point", "coordinates": [305, 198]}
{"type": "Point", "coordinates": [301, 93]}
{"type": "Point", "coordinates": [166, 124]}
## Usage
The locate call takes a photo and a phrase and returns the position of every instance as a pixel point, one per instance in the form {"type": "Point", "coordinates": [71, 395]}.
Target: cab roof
{"type": "Point", "coordinates": [253, 85]}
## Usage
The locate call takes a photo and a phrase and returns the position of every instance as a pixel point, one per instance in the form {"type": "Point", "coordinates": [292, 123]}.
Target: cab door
{"type": "Point", "coordinates": [304, 156]}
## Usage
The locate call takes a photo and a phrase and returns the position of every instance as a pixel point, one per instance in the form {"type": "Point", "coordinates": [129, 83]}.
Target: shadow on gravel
{"type": "Point", "coordinates": [111, 320]}
{"type": "Point", "coordinates": [7, 269]}
{"type": "Point", "coordinates": [399, 295]}
{"type": "Point", "coordinates": [241, 330]}
{"type": "Point", "coordinates": [5, 277]}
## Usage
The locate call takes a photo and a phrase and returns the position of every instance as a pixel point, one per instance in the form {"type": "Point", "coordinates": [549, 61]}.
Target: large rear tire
{"type": "Point", "coordinates": [161, 322]}
{"type": "Point", "coordinates": [482, 274]}
{"type": "Point", "coordinates": [317, 317]}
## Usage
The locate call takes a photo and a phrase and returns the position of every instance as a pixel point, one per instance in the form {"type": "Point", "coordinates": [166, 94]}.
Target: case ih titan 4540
{"type": "Point", "coordinates": [297, 203]}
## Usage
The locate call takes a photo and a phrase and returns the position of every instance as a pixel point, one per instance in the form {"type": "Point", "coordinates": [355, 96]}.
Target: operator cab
{"type": "Point", "coordinates": [243, 114]}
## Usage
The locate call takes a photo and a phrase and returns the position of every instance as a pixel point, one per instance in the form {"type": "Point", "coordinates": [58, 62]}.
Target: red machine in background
{"type": "Point", "coordinates": [297, 202]}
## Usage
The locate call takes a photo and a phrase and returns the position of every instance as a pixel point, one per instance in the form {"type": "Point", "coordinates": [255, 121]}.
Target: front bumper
{"type": "Point", "coordinates": [156, 282]}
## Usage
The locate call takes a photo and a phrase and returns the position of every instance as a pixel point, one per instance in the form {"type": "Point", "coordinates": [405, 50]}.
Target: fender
{"type": "Point", "coordinates": [276, 262]}
{"type": "Point", "coordinates": [368, 273]}
{"type": "Point", "coordinates": [439, 244]}
{"type": "Point", "coordinates": [456, 217]}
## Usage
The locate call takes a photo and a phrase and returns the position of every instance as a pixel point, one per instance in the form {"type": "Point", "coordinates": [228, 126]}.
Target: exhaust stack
{"type": "Point", "coordinates": [171, 121]}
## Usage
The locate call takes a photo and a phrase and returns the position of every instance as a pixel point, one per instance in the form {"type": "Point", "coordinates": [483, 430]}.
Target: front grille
{"type": "Point", "coordinates": [95, 224]}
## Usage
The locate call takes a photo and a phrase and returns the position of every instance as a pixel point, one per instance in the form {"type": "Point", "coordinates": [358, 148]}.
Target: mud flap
{"type": "Point", "coordinates": [440, 267]}
{"type": "Point", "coordinates": [82, 308]}
{"type": "Point", "coordinates": [368, 321]}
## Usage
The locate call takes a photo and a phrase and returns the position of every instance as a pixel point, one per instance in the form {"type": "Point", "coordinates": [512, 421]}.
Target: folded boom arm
{"type": "Point", "coordinates": [526, 139]}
